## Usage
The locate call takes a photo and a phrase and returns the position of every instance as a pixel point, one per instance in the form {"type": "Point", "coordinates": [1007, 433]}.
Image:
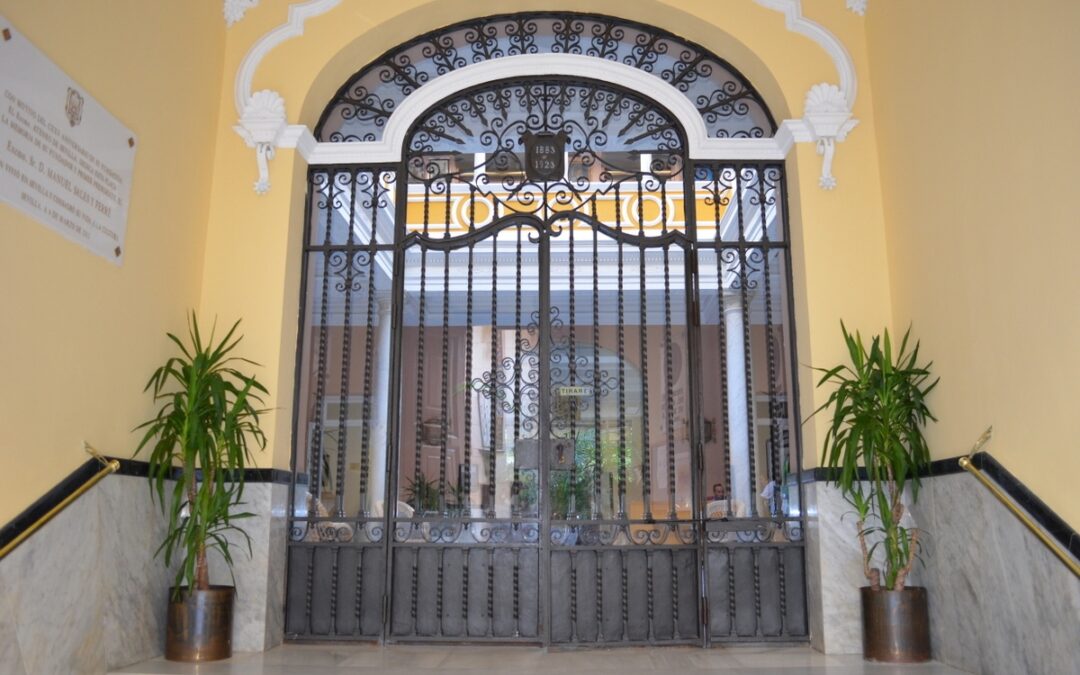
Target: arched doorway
{"type": "Point", "coordinates": [544, 389]}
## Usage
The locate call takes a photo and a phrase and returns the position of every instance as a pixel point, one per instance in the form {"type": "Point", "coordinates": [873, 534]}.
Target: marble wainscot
{"type": "Point", "coordinates": [835, 571]}
{"type": "Point", "coordinates": [1000, 602]}
{"type": "Point", "coordinates": [85, 593]}
{"type": "Point", "coordinates": [259, 614]}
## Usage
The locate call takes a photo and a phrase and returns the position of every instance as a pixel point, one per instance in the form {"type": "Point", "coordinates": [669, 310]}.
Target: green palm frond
{"type": "Point", "coordinates": [879, 410]}
{"type": "Point", "coordinates": [202, 434]}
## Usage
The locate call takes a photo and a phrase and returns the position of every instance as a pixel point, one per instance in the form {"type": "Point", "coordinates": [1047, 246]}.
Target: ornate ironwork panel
{"type": "Point", "coordinates": [727, 103]}
{"type": "Point", "coordinates": [545, 389]}
{"type": "Point", "coordinates": [753, 538]}
{"type": "Point", "coordinates": [337, 529]}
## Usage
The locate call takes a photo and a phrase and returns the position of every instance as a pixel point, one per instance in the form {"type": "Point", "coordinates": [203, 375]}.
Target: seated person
{"type": "Point", "coordinates": [718, 505]}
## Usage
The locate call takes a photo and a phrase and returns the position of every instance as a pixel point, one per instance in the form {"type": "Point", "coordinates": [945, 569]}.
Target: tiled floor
{"type": "Point", "coordinates": [358, 659]}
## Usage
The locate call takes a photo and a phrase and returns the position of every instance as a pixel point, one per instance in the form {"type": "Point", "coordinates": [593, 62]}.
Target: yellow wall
{"type": "Point", "coordinates": [976, 109]}
{"type": "Point", "coordinates": [199, 235]}
{"type": "Point", "coordinates": [81, 336]}
{"type": "Point", "coordinates": [252, 266]}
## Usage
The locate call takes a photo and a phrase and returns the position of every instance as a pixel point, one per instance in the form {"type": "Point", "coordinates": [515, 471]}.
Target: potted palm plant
{"type": "Point", "coordinates": [875, 443]}
{"type": "Point", "coordinates": [201, 440]}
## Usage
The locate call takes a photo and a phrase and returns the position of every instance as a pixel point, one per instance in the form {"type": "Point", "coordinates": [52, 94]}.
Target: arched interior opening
{"type": "Point", "coordinates": [545, 374]}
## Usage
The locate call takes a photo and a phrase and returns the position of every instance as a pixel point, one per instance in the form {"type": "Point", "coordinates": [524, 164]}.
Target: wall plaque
{"type": "Point", "coordinates": [545, 156]}
{"type": "Point", "coordinates": [64, 160]}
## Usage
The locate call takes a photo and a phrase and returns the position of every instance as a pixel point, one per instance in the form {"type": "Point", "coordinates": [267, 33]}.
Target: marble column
{"type": "Point", "coordinates": [738, 424]}
{"type": "Point", "coordinates": [380, 407]}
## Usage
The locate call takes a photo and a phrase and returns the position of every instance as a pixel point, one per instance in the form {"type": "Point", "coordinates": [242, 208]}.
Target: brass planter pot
{"type": "Point", "coordinates": [896, 625]}
{"type": "Point", "coordinates": [199, 625]}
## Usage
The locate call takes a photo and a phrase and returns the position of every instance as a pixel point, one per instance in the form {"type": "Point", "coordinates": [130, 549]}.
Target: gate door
{"type": "Point", "coordinates": [576, 340]}
{"type": "Point", "coordinates": [544, 470]}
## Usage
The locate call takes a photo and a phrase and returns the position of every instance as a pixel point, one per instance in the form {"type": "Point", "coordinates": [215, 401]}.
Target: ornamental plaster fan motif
{"type": "Point", "coordinates": [857, 6]}
{"type": "Point", "coordinates": [828, 115]}
{"type": "Point", "coordinates": [261, 124]}
{"type": "Point", "coordinates": [704, 94]}
{"type": "Point", "coordinates": [234, 10]}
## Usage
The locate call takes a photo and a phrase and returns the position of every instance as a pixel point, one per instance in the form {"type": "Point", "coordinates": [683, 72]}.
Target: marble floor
{"type": "Point", "coordinates": [295, 659]}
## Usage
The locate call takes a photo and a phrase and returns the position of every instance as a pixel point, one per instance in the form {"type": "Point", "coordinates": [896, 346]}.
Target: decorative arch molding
{"type": "Point", "coordinates": [827, 117]}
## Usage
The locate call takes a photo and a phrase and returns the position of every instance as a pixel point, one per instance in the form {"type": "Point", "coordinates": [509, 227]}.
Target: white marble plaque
{"type": "Point", "coordinates": [64, 160]}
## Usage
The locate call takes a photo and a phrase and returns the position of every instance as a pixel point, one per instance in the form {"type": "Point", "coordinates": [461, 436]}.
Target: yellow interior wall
{"type": "Point", "coordinates": [253, 253]}
{"type": "Point", "coordinates": [976, 109]}
{"type": "Point", "coordinates": [80, 336]}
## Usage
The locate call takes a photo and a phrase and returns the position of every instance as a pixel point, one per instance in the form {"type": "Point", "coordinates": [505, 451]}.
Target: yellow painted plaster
{"type": "Point", "coordinates": [976, 109]}
{"type": "Point", "coordinates": [252, 264]}
{"type": "Point", "coordinates": [80, 337]}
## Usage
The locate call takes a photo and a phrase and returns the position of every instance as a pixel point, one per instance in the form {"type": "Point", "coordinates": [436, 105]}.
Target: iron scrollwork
{"type": "Point", "coordinates": [729, 106]}
{"type": "Point", "coordinates": [479, 139]}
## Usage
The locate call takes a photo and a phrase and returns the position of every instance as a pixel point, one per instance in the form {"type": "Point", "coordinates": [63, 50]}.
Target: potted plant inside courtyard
{"type": "Point", "coordinates": [875, 443]}
{"type": "Point", "coordinates": [199, 442]}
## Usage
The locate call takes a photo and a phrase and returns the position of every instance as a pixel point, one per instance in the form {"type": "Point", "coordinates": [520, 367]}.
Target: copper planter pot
{"type": "Point", "coordinates": [199, 624]}
{"type": "Point", "coordinates": [896, 625]}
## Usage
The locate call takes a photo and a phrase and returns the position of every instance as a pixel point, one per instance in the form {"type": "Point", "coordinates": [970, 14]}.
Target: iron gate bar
{"type": "Point", "coordinates": [514, 503]}
{"type": "Point", "coordinates": [622, 365]}
{"type": "Point", "coordinates": [467, 491]}
{"type": "Point", "coordinates": [418, 488]}
{"type": "Point", "coordinates": [596, 510]}
{"type": "Point", "coordinates": [445, 368]}
{"type": "Point", "coordinates": [393, 408]}
{"type": "Point", "coordinates": [774, 425]}
{"type": "Point", "coordinates": [572, 365]}
{"type": "Point", "coordinates": [314, 463]}
{"type": "Point", "coordinates": [693, 330]}
{"type": "Point", "coordinates": [646, 470]}
{"type": "Point", "coordinates": [668, 386]}
{"type": "Point", "coordinates": [368, 360]}
{"type": "Point", "coordinates": [346, 351]}
{"type": "Point", "coordinates": [494, 356]}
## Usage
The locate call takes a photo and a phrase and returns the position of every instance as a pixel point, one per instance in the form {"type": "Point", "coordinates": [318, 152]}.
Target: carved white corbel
{"type": "Point", "coordinates": [234, 10]}
{"type": "Point", "coordinates": [262, 114]}
{"type": "Point", "coordinates": [829, 120]}
{"type": "Point", "coordinates": [857, 6]}
{"type": "Point", "coordinates": [261, 126]}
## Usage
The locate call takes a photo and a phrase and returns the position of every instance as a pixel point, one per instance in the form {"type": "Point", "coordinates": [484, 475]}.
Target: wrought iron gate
{"type": "Point", "coordinates": [569, 419]}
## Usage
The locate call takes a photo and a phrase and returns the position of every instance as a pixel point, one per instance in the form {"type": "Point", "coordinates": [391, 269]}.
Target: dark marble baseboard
{"type": "Point", "coordinates": [938, 467]}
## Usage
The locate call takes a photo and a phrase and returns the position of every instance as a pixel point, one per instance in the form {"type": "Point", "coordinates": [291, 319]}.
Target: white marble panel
{"type": "Point", "coordinates": [86, 593]}
{"type": "Point", "coordinates": [1000, 602]}
{"type": "Point", "coordinates": [834, 572]}
{"type": "Point", "coordinates": [54, 585]}
{"type": "Point", "coordinates": [10, 654]}
{"type": "Point", "coordinates": [259, 612]}
{"type": "Point", "coordinates": [276, 555]}
{"type": "Point", "coordinates": [132, 528]}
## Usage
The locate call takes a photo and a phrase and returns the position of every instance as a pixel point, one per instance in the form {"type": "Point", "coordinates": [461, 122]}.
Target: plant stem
{"type": "Point", "coordinates": [202, 570]}
{"type": "Point", "coordinates": [901, 577]}
{"type": "Point", "coordinates": [872, 573]}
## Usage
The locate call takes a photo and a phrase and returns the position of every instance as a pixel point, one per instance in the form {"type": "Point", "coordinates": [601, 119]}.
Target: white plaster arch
{"type": "Point", "coordinates": [826, 119]}
{"type": "Point", "coordinates": [829, 43]}
{"type": "Point", "coordinates": [299, 13]}
{"type": "Point", "coordinates": [389, 148]}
